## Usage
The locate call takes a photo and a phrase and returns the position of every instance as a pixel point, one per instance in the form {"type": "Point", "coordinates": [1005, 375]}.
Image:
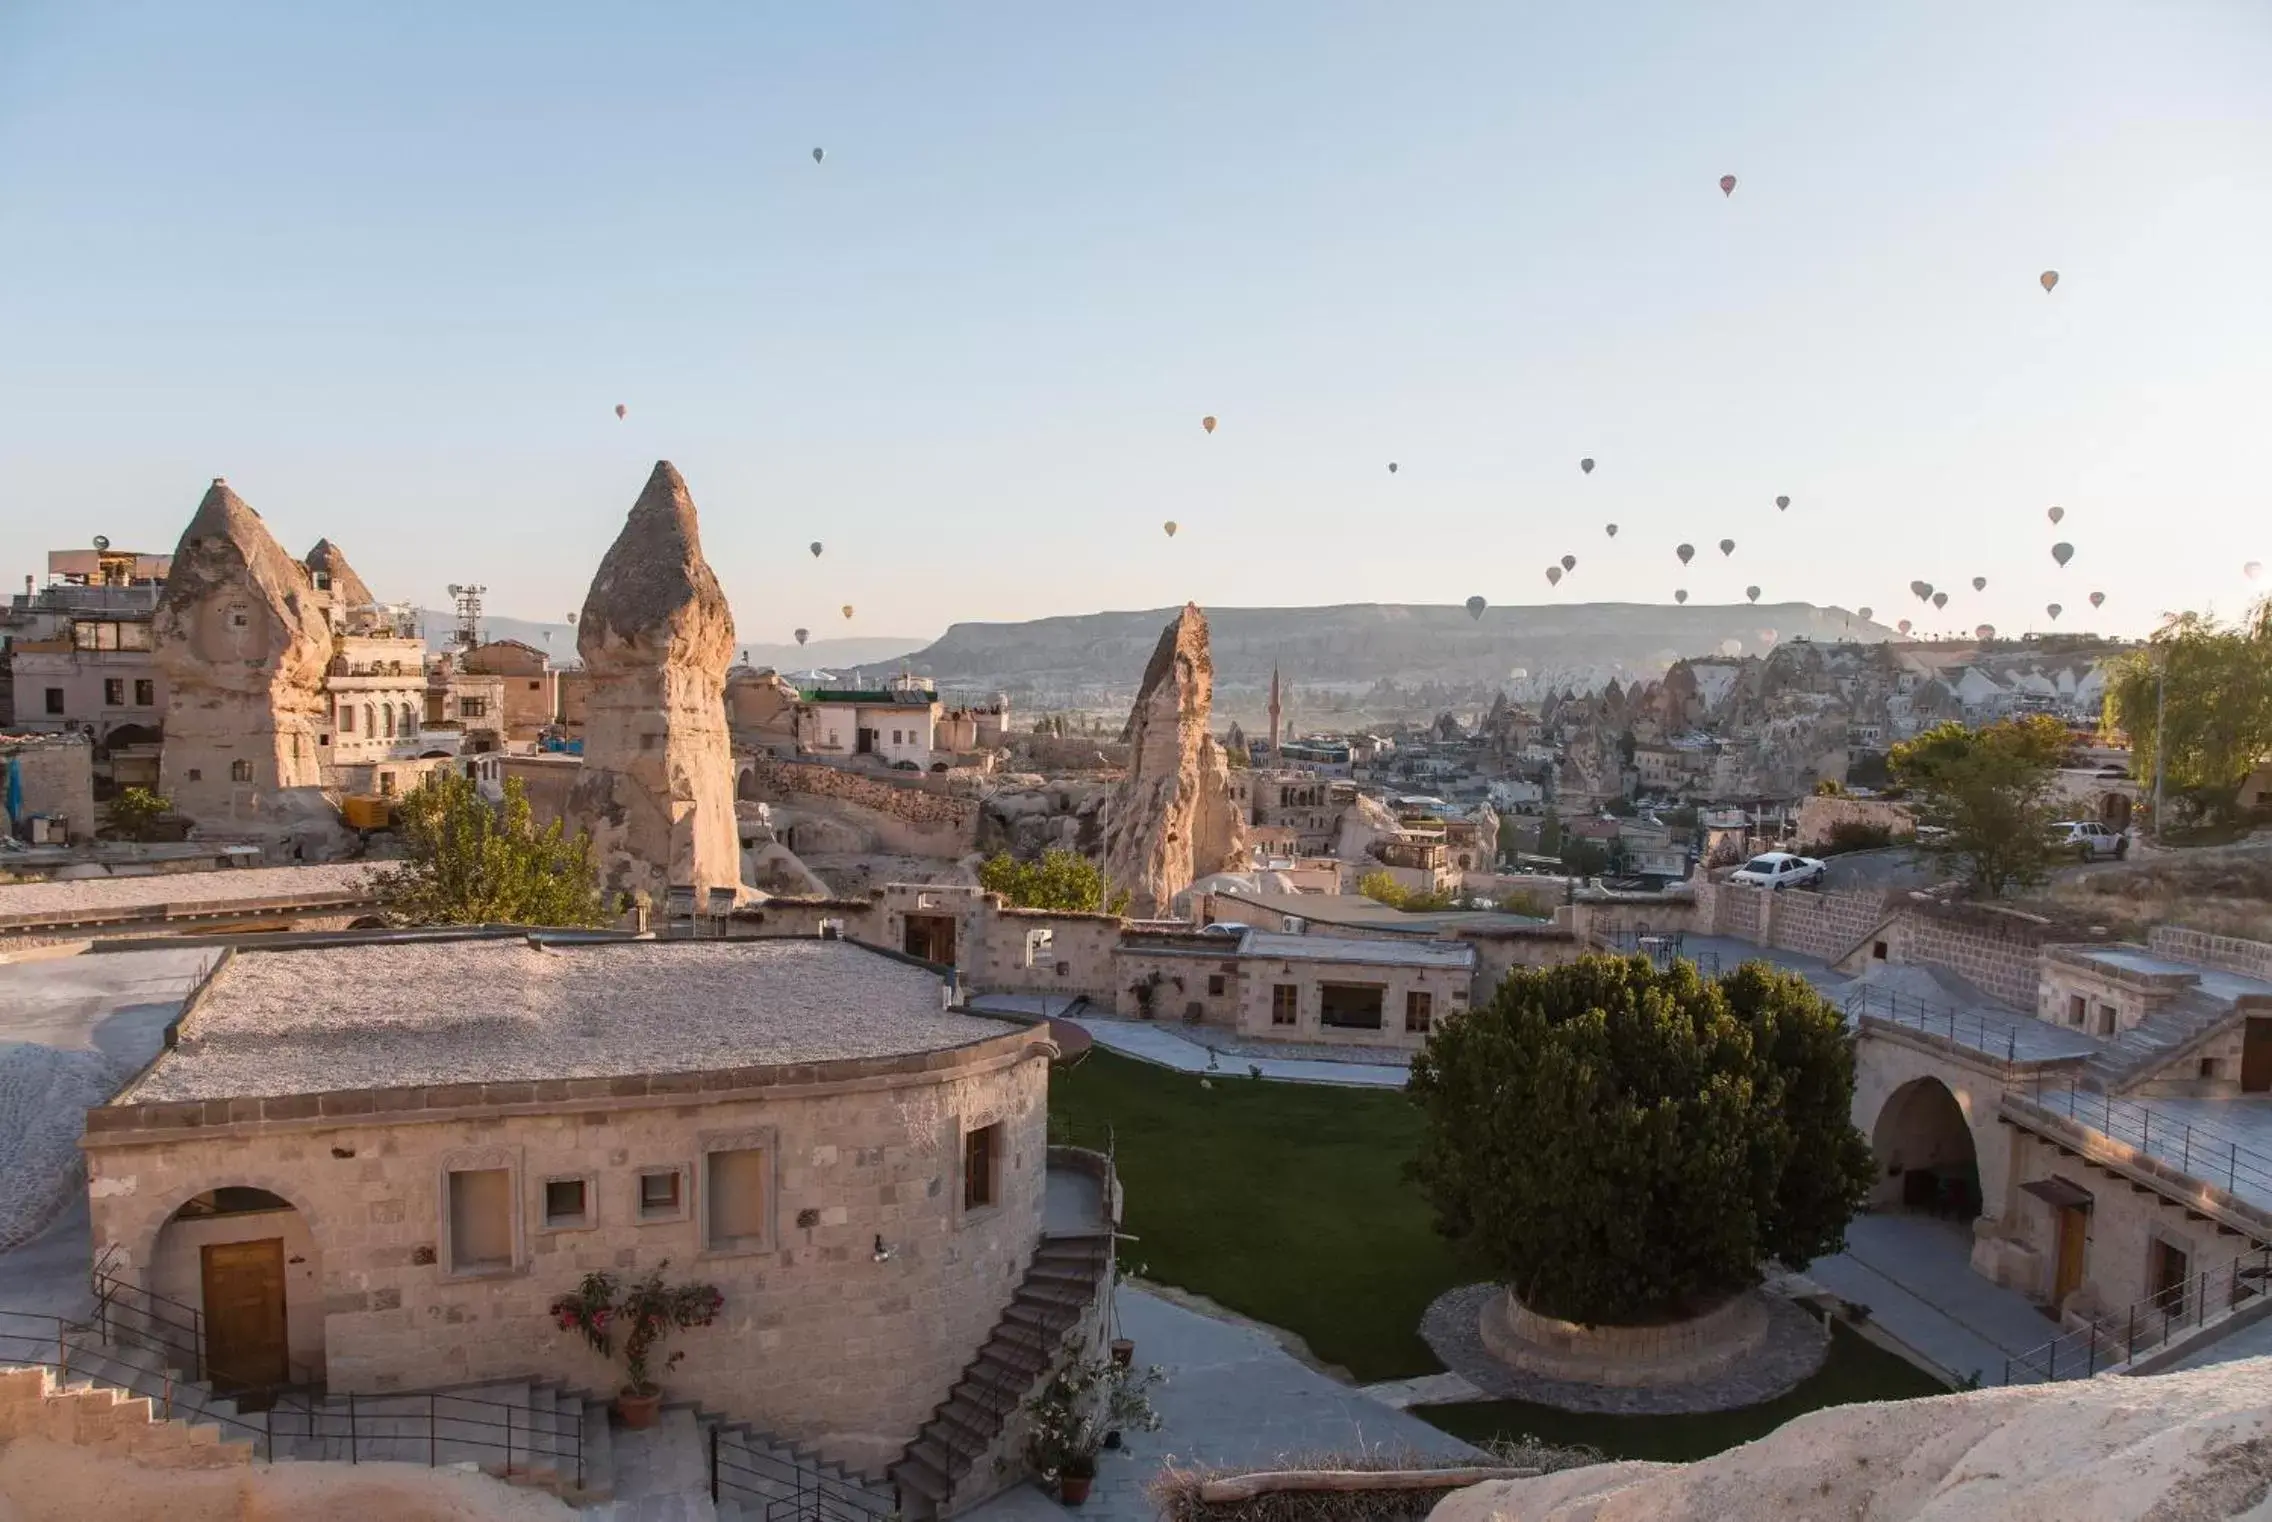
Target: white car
{"type": "Point", "coordinates": [2088, 840]}
{"type": "Point", "coordinates": [1779, 869]}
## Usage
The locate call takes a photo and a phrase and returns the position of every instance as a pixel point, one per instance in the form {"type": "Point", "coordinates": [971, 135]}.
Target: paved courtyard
{"type": "Point", "coordinates": [1915, 1274]}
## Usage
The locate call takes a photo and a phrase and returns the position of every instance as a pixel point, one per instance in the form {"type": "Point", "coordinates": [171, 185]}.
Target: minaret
{"type": "Point", "coordinates": [1273, 715]}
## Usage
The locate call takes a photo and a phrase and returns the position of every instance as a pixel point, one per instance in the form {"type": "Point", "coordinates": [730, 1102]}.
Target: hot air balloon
{"type": "Point", "coordinates": [1940, 599]}
{"type": "Point", "coordinates": [819, 154]}
{"type": "Point", "coordinates": [1569, 562]}
{"type": "Point", "coordinates": [2062, 552]}
{"type": "Point", "coordinates": [571, 618]}
{"type": "Point", "coordinates": [1612, 529]}
{"type": "Point", "coordinates": [1727, 184]}
{"type": "Point", "coordinates": [1170, 527]}
{"type": "Point", "coordinates": [1207, 423]}
{"type": "Point", "coordinates": [1686, 552]}
{"type": "Point", "coordinates": [1586, 465]}
{"type": "Point", "coordinates": [1727, 546]}
{"type": "Point", "coordinates": [1752, 593]}
{"type": "Point", "coordinates": [2098, 599]}
{"type": "Point", "coordinates": [1864, 614]}
{"type": "Point", "coordinates": [622, 411]}
{"type": "Point", "coordinates": [2049, 278]}
{"type": "Point", "coordinates": [803, 635]}
{"type": "Point", "coordinates": [1731, 647]}
{"type": "Point", "coordinates": [1768, 636]}
{"type": "Point", "coordinates": [847, 610]}
{"type": "Point", "coordinates": [1984, 632]}
{"type": "Point", "coordinates": [1903, 626]}
{"type": "Point", "coordinates": [1518, 674]}
{"type": "Point", "coordinates": [1782, 504]}
{"type": "Point", "coordinates": [2055, 514]}
{"type": "Point", "coordinates": [1475, 607]}
{"type": "Point", "coordinates": [815, 548]}
{"type": "Point", "coordinates": [1680, 597]}
{"type": "Point", "coordinates": [2053, 609]}
{"type": "Point", "coordinates": [2253, 569]}
{"type": "Point", "coordinates": [1553, 575]}
{"type": "Point", "coordinates": [1979, 583]}
{"type": "Point", "coordinates": [1392, 467]}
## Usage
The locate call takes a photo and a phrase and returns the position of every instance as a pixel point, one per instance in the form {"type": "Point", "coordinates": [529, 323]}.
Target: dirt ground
{"type": "Point", "coordinates": [2225, 890]}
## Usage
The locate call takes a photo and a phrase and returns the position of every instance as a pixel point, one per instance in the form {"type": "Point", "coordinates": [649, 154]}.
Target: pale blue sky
{"type": "Point", "coordinates": [389, 268]}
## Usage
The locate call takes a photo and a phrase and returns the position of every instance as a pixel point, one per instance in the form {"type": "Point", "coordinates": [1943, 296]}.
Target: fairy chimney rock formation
{"type": "Point", "coordinates": [1172, 819]}
{"type": "Point", "coordinates": [240, 634]}
{"type": "Point", "coordinates": [657, 787]}
{"type": "Point", "coordinates": [333, 574]}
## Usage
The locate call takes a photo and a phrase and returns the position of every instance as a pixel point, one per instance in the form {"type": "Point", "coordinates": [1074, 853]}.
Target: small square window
{"type": "Point", "coordinates": [981, 1163]}
{"type": "Point", "coordinates": [1283, 997]}
{"type": "Point", "coordinates": [2208, 1067]}
{"type": "Point", "coordinates": [1877, 951]}
{"type": "Point", "coordinates": [114, 692]}
{"type": "Point", "coordinates": [567, 1202]}
{"type": "Point", "coordinates": [662, 1195]}
{"type": "Point", "coordinates": [1419, 1011]}
{"type": "Point", "coordinates": [145, 693]}
{"type": "Point", "coordinates": [240, 771]}
{"type": "Point", "coordinates": [1215, 985]}
{"type": "Point", "coordinates": [195, 775]}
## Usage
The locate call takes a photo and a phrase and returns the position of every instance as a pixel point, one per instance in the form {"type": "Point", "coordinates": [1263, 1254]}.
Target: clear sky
{"type": "Point", "coordinates": [390, 268]}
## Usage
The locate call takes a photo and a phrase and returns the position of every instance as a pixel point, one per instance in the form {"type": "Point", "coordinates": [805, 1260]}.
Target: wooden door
{"type": "Point", "coordinates": [2073, 1224]}
{"type": "Point", "coordinates": [2256, 1057]}
{"type": "Point", "coordinates": [244, 1314]}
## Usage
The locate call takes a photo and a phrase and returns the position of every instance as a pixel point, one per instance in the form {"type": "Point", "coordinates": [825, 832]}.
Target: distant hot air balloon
{"type": "Point", "coordinates": [1731, 647]}
{"type": "Point", "coordinates": [815, 548]}
{"type": "Point", "coordinates": [1680, 596]}
{"type": "Point", "coordinates": [1170, 527]}
{"type": "Point", "coordinates": [1985, 632]}
{"type": "Point", "coordinates": [1686, 552]}
{"type": "Point", "coordinates": [1864, 613]}
{"type": "Point", "coordinates": [2049, 278]}
{"type": "Point", "coordinates": [2055, 514]}
{"type": "Point", "coordinates": [1475, 607]}
{"type": "Point", "coordinates": [571, 618]}
{"type": "Point", "coordinates": [847, 610]}
{"type": "Point", "coordinates": [1207, 423]}
{"type": "Point", "coordinates": [819, 154]}
{"type": "Point", "coordinates": [1727, 184]}
{"type": "Point", "coordinates": [622, 411]}
{"type": "Point", "coordinates": [803, 635]}
{"type": "Point", "coordinates": [1752, 593]}
{"type": "Point", "coordinates": [1782, 504]}
{"type": "Point", "coordinates": [1768, 636]}
{"type": "Point", "coordinates": [1612, 530]}
{"type": "Point", "coordinates": [1518, 674]}
{"type": "Point", "coordinates": [1586, 465]}
{"type": "Point", "coordinates": [2253, 569]}
{"type": "Point", "coordinates": [2053, 609]}
{"type": "Point", "coordinates": [1727, 546]}
{"type": "Point", "coordinates": [2062, 552]}
{"type": "Point", "coordinates": [1903, 626]}
{"type": "Point", "coordinates": [1979, 583]}
{"type": "Point", "coordinates": [1553, 575]}
{"type": "Point", "coordinates": [1940, 599]}
{"type": "Point", "coordinates": [1569, 562]}
{"type": "Point", "coordinates": [2098, 599]}
{"type": "Point", "coordinates": [1392, 467]}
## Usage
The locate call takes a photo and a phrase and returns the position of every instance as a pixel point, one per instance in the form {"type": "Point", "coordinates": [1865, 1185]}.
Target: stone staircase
{"type": "Point", "coordinates": [1059, 1287]}
{"type": "Point", "coordinates": [2153, 1042]}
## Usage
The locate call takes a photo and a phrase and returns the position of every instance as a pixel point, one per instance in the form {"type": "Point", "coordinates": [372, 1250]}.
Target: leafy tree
{"type": "Point", "coordinates": [1383, 888]}
{"type": "Point", "coordinates": [1582, 857]}
{"type": "Point", "coordinates": [1867, 768]}
{"type": "Point", "coordinates": [1829, 787]}
{"type": "Point", "coordinates": [1622, 1144]}
{"type": "Point", "coordinates": [1062, 880]}
{"type": "Point", "coordinates": [1549, 834]}
{"type": "Point", "coordinates": [1987, 788]}
{"type": "Point", "coordinates": [135, 812]}
{"type": "Point", "coordinates": [2217, 707]}
{"type": "Point", "coordinates": [470, 862]}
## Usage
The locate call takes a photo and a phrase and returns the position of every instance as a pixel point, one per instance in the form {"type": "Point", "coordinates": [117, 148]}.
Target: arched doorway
{"type": "Point", "coordinates": [244, 1261]}
{"type": "Point", "coordinates": [745, 786]}
{"type": "Point", "coordinates": [1926, 1158]}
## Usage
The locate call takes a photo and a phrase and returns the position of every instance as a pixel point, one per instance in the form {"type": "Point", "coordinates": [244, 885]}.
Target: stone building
{"type": "Point", "coordinates": [52, 782]}
{"type": "Point", "coordinates": [376, 1164]}
{"type": "Point", "coordinates": [528, 694]}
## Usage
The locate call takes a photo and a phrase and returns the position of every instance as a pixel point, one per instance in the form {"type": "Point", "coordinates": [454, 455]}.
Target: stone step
{"type": "Point", "coordinates": [599, 1452]}
{"type": "Point", "coordinates": [914, 1475]}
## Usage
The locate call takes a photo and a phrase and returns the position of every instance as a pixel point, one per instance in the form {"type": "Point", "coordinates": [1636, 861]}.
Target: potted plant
{"type": "Point", "coordinates": [651, 1310]}
{"type": "Point", "coordinates": [1070, 1419]}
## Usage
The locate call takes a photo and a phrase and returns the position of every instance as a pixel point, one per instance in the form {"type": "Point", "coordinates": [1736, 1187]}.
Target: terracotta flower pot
{"type": "Point", "coordinates": [1123, 1352]}
{"type": "Point", "coordinates": [638, 1408]}
{"type": "Point", "coordinates": [1073, 1489]}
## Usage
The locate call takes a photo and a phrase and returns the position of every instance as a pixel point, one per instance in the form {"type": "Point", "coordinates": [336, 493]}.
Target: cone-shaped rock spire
{"type": "Point", "coordinates": [347, 588]}
{"type": "Point", "coordinates": [1172, 819]}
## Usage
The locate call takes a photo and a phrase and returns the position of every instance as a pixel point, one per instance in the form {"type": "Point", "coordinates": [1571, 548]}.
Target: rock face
{"type": "Point", "coordinates": [2168, 1447]}
{"type": "Point", "coordinates": [1172, 818]}
{"type": "Point", "coordinates": [240, 634]}
{"type": "Point", "coordinates": [657, 787]}
{"type": "Point", "coordinates": [329, 564]}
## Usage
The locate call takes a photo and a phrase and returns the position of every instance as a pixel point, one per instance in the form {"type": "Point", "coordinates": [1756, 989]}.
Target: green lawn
{"type": "Point", "coordinates": [1285, 1202]}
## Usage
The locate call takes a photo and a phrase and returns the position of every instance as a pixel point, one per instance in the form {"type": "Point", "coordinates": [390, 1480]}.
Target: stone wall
{"type": "Point", "coordinates": [57, 774]}
{"type": "Point", "coordinates": [35, 1405]}
{"type": "Point", "coordinates": [1076, 961]}
{"type": "Point", "coordinates": [1818, 816]}
{"type": "Point", "coordinates": [2230, 953]}
{"type": "Point", "coordinates": [1198, 985]}
{"type": "Point", "coordinates": [1825, 926]}
{"type": "Point", "coordinates": [817, 1342]}
{"type": "Point", "coordinates": [1448, 988]}
{"type": "Point", "coordinates": [1887, 1059]}
{"type": "Point", "coordinates": [1997, 952]}
{"type": "Point", "coordinates": [942, 819]}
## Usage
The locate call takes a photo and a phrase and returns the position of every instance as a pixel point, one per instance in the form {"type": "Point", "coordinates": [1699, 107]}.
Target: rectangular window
{"type": "Point", "coordinates": [567, 1202]}
{"type": "Point", "coordinates": [55, 700]}
{"type": "Point", "coordinates": [481, 1220]}
{"type": "Point", "coordinates": [2077, 1008]}
{"type": "Point", "coordinates": [981, 1155]}
{"type": "Point", "coordinates": [1350, 1006]}
{"type": "Point", "coordinates": [661, 1197]}
{"type": "Point", "coordinates": [2208, 1067]}
{"type": "Point", "coordinates": [1419, 1010]}
{"type": "Point", "coordinates": [1215, 985]}
{"type": "Point", "coordinates": [114, 692]}
{"type": "Point", "coordinates": [736, 1197]}
{"type": "Point", "coordinates": [145, 692]}
{"type": "Point", "coordinates": [1284, 1001]}
{"type": "Point", "coordinates": [347, 718]}
{"type": "Point", "coordinates": [2106, 1019]}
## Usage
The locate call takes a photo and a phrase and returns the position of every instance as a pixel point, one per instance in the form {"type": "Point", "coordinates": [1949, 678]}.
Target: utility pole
{"type": "Point", "coordinates": [2161, 737]}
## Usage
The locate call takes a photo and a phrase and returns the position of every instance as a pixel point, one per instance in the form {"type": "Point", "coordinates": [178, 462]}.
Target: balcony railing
{"type": "Point", "coordinates": [2112, 1341]}
{"type": "Point", "coordinates": [2194, 1149]}
{"type": "Point", "coordinates": [1974, 1032]}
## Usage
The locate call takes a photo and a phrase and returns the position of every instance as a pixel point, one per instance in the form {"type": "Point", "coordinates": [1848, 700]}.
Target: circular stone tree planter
{"type": "Point", "coordinates": [1673, 1353]}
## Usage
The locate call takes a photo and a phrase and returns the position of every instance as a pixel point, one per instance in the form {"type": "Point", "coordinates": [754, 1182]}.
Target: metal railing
{"type": "Point", "coordinates": [785, 1491]}
{"type": "Point", "coordinates": [1974, 1032]}
{"type": "Point", "coordinates": [1662, 948]}
{"type": "Point", "coordinates": [127, 1311]}
{"type": "Point", "coordinates": [2197, 1151]}
{"type": "Point", "coordinates": [2111, 1341]}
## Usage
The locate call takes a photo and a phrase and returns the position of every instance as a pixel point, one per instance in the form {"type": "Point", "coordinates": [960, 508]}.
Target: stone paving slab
{"type": "Point", "coordinates": [1915, 1274]}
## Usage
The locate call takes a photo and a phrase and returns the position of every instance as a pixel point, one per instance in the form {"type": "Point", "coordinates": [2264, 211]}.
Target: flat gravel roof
{"type": "Point", "coordinates": [384, 1015]}
{"type": "Point", "coordinates": [110, 895]}
{"type": "Point", "coordinates": [1366, 950]}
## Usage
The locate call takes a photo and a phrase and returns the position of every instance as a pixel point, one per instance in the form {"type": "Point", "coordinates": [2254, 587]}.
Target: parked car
{"type": "Point", "coordinates": [2088, 840]}
{"type": "Point", "coordinates": [1779, 869]}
